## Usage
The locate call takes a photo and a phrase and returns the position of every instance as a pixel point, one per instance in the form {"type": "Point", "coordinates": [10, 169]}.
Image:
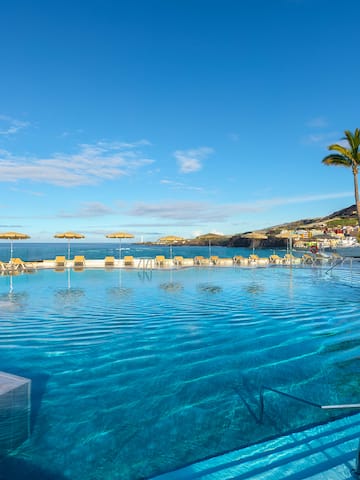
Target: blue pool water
{"type": "Point", "coordinates": [135, 373]}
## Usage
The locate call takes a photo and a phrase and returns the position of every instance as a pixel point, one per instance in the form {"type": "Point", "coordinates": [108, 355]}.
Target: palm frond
{"type": "Point", "coordinates": [353, 139]}
{"type": "Point", "coordinates": [341, 149]}
{"type": "Point", "coordinates": [337, 160]}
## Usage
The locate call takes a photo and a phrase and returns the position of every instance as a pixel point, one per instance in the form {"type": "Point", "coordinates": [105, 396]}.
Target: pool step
{"type": "Point", "coordinates": [324, 452]}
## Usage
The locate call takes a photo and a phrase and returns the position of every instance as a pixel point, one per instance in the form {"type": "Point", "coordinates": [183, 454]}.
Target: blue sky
{"type": "Point", "coordinates": [175, 117]}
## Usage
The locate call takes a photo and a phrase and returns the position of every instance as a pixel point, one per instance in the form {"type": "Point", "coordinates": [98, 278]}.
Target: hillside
{"type": "Point", "coordinates": [341, 215]}
{"type": "Point", "coordinates": [345, 216]}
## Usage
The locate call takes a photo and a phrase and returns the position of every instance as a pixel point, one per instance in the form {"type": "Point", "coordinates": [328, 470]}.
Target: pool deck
{"type": "Point", "coordinates": [324, 452]}
{"type": "Point", "coordinates": [170, 263]}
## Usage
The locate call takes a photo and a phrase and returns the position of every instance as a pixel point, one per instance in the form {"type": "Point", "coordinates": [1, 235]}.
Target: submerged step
{"type": "Point", "coordinates": [324, 452]}
{"type": "Point", "coordinates": [14, 411]}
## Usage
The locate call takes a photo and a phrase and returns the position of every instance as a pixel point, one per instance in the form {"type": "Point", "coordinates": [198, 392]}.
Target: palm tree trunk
{"type": "Point", "coordinates": [356, 189]}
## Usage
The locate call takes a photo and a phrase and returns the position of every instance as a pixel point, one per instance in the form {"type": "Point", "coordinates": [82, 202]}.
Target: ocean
{"type": "Point", "coordinates": [29, 251]}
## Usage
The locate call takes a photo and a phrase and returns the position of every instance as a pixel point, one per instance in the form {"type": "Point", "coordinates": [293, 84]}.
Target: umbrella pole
{"type": "Point", "coordinates": [209, 248]}
{"type": "Point", "coordinates": [68, 249]}
{"type": "Point", "coordinates": [120, 249]}
{"type": "Point", "coordinates": [11, 249]}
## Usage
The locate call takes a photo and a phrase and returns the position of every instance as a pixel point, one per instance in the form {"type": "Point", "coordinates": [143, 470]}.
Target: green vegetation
{"type": "Point", "coordinates": [348, 156]}
{"type": "Point", "coordinates": [342, 222]}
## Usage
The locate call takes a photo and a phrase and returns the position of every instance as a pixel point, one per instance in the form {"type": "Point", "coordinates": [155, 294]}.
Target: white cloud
{"type": "Point", "coordinates": [10, 126]}
{"type": "Point", "coordinates": [322, 139]}
{"type": "Point", "coordinates": [317, 122]}
{"type": "Point", "coordinates": [91, 164]}
{"type": "Point", "coordinates": [172, 210]}
{"type": "Point", "coordinates": [67, 133]}
{"type": "Point", "coordinates": [89, 209]}
{"type": "Point", "coordinates": [180, 186]}
{"type": "Point", "coordinates": [190, 161]}
{"type": "Point", "coordinates": [197, 212]}
{"type": "Point", "coordinates": [28, 192]}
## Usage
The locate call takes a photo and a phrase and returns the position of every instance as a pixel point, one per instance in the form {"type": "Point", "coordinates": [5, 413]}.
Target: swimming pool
{"type": "Point", "coordinates": [137, 372]}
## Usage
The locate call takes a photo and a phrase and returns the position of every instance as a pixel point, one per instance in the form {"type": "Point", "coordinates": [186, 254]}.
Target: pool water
{"type": "Point", "coordinates": [135, 373]}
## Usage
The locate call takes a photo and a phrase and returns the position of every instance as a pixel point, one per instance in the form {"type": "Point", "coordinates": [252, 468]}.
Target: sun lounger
{"type": "Point", "coordinates": [109, 262]}
{"type": "Point", "coordinates": [214, 259]}
{"type": "Point", "coordinates": [60, 262]}
{"type": "Point", "coordinates": [307, 259]}
{"type": "Point", "coordinates": [128, 261]}
{"type": "Point", "coordinates": [3, 267]}
{"type": "Point", "coordinates": [255, 260]}
{"type": "Point", "coordinates": [178, 260]}
{"type": "Point", "coordinates": [19, 265]}
{"type": "Point", "coordinates": [200, 260]}
{"type": "Point", "coordinates": [274, 259]}
{"type": "Point", "coordinates": [79, 262]}
{"type": "Point", "coordinates": [238, 259]}
{"type": "Point", "coordinates": [16, 264]}
{"type": "Point", "coordinates": [289, 259]}
{"type": "Point", "coordinates": [159, 260]}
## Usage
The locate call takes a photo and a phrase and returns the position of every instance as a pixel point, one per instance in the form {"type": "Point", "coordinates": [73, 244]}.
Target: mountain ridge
{"type": "Point", "coordinates": [238, 240]}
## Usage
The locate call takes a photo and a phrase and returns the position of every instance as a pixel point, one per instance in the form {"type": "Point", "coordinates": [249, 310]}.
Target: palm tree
{"type": "Point", "coordinates": [348, 156]}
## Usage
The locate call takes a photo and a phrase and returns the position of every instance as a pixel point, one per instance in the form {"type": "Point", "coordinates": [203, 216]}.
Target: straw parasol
{"type": "Point", "coordinates": [69, 236]}
{"type": "Point", "coordinates": [13, 236]}
{"type": "Point", "coordinates": [120, 236]}
{"type": "Point", "coordinates": [255, 236]}
{"type": "Point", "coordinates": [288, 235]}
{"type": "Point", "coordinates": [171, 240]}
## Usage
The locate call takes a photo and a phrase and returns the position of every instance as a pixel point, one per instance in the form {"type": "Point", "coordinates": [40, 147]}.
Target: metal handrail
{"type": "Point", "coordinates": [263, 388]}
{"type": "Point", "coordinates": [340, 261]}
{"type": "Point", "coordinates": [145, 263]}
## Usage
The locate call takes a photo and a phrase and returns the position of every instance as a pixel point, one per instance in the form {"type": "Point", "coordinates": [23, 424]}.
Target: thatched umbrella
{"type": "Point", "coordinates": [69, 236]}
{"type": "Point", "coordinates": [255, 236]}
{"type": "Point", "coordinates": [289, 236]}
{"type": "Point", "coordinates": [120, 236]}
{"type": "Point", "coordinates": [171, 240]}
{"type": "Point", "coordinates": [210, 237]}
{"type": "Point", "coordinates": [13, 236]}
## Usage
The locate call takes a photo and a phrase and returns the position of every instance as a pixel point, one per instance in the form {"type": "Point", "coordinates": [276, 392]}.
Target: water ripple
{"type": "Point", "coordinates": [174, 362]}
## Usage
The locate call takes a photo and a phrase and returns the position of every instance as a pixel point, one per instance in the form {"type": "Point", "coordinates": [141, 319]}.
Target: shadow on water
{"type": "Point", "coordinates": [119, 292]}
{"type": "Point", "coordinates": [171, 287]}
{"type": "Point", "coordinates": [68, 296]}
{"type": "Point", "coordinates": [209, 288]}
{"type": "Point", "coordinates": [38, 388]}
{"type": "Point", "coordinates": [13, 468]}
{"type": "Point", "coordinates": [13, 301]}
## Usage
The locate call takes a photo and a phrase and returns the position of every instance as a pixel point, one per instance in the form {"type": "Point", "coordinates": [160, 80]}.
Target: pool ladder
{"type": "Point", "coordinates": [145, 263]}
{"type": "Point", "coordinates": [263, 389]}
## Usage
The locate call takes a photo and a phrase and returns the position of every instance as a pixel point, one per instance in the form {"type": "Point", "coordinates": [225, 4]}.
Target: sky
{"type": "Point", "coordinates": [173, 117]}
